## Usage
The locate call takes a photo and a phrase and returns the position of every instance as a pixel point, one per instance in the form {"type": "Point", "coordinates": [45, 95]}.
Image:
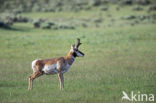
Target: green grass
{"type": "Point", "coordinates": [116, 59]}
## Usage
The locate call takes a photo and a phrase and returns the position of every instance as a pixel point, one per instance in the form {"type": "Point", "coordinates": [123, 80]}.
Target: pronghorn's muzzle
{"type": "Point", "coordinates": [79, 54]}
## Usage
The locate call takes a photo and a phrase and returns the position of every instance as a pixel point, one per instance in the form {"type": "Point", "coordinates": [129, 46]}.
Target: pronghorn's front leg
{"type": "Point", "coordinates": [61, 80]}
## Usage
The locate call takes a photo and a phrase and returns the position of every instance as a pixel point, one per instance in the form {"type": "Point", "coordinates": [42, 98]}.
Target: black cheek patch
{"type": "Point", "coordinates": [74, 54]}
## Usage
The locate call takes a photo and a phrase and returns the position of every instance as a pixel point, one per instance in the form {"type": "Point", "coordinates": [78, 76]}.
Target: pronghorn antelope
{"type": "Point", "coordinates": [58, 65]}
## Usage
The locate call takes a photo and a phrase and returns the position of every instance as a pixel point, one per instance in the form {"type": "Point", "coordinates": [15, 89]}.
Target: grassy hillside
{"type": "Point", "coordinates": [62, 5]}
{"type": "Point", "coordinates": [119, 57]}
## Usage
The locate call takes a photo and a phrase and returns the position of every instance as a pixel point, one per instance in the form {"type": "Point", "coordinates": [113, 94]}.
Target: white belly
{"type": "Point", "coordinates": [50, 69]}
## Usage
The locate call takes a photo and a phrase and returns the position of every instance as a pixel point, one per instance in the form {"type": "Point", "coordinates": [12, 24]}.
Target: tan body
{"type": "Point", "coordinates": [54, 66]}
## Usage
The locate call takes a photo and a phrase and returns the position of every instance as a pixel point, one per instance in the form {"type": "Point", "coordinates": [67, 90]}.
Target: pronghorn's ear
{"type": "Point", "coordinates": [72, 46]}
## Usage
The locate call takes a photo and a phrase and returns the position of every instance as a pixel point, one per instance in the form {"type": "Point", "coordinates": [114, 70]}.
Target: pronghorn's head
{"type": "Point", "coordinates": [74, 49]}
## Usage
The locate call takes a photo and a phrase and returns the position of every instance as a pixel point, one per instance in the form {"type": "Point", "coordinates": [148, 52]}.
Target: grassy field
{"type": "Point", "coordinates": [117, 58]}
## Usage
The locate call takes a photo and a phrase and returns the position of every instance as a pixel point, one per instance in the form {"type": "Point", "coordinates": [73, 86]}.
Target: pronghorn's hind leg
{"type": "Point", "coordinates": [32, 77]}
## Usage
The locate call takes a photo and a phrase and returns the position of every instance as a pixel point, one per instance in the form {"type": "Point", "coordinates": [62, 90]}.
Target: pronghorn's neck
{"type": "Point", "coordinates": [70, 58]}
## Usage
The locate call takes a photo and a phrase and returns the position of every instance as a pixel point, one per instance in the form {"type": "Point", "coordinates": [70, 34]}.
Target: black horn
{"type": "Point", "coordinates": [78, 43]}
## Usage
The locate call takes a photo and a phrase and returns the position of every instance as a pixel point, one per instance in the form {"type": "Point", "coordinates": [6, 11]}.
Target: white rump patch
{"type": "Point", "coordinates": [34, 64]}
